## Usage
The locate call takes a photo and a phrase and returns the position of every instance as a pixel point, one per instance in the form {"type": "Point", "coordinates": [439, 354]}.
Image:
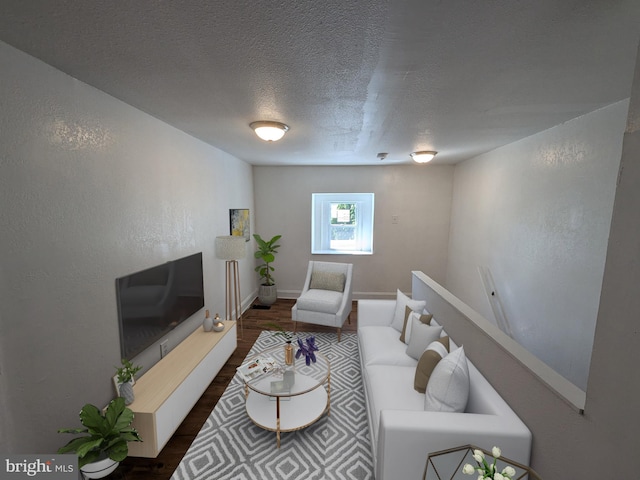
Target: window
{"type": "Point", "coordinates": [342, 223]}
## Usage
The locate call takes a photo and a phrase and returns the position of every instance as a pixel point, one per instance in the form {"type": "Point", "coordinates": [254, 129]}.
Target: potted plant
{"type": "Point", "coordinates": [267, 292]}
{"type": "Point", "coordinates": [126, 375]}
{"type": "Point", "coordinates": [104, 446]}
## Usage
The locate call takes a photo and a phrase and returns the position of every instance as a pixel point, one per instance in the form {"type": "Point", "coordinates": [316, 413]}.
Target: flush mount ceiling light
{"type": "Point", "coordinates": [423, 156]}
{"type": "Point", "coordinates": [269, 131]}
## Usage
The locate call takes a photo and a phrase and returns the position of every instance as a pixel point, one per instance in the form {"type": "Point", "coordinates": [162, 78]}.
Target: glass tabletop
{"type": "Point", "coordinates": [281, 380]}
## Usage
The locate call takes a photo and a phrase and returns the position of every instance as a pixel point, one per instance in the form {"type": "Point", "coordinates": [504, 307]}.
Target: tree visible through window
{"type": "Point", "coordinates": [342, 223]}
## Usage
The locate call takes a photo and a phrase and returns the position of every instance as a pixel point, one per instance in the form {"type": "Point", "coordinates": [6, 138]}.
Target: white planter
{"type": "Point", "coordinates": [267, 294]}
{"type": "Point", "coordinates": [99, 469]}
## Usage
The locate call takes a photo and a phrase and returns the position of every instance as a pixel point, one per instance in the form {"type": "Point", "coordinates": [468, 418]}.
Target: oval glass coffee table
{"type": "Point", "coordinates": [288, 397]}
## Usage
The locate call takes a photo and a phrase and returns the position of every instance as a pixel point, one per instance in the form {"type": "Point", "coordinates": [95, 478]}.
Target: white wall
{"type": "Point", "coordinates": [537, 214]}
{"type": "Point", "coordinates": [91, 189]}
{"type": "Point", "coordinates": [419, 194]}
{"type": "Point", "coordinates": [603, 441]}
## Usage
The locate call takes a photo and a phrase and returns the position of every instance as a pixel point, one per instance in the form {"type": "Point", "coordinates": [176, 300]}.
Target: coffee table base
{"type": "Point", "coordinates": [287, 414]}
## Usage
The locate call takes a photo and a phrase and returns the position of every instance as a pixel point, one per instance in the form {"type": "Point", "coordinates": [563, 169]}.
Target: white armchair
{"type": "Point", "coordinates": [326, 297]}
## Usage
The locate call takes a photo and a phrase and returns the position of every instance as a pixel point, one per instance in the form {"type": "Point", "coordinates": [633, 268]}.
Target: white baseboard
{"type": "Point", "coordinates": [293, 294]}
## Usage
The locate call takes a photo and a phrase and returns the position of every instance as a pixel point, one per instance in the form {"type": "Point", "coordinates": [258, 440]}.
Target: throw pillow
{"type": "Point", "coordinates": [448, 387]}
{"type": "Point", "coordinates": [421, 336]}
{"type": "Point", "coordinates": [403, 301]}
{"type": "Point", "coordinates": [435, 352]}
{"type": "Point", "coordinates": [406, 328]}
{"type": "Point", "coordinates": [327, 281]}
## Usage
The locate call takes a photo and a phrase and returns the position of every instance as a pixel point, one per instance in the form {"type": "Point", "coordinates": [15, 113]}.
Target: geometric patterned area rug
{"type": "Point", "coordinates": [336, 447]}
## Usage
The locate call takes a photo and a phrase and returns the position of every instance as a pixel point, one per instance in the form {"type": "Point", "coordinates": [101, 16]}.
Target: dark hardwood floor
{"type": "Point", "coordinates": [163, 466]}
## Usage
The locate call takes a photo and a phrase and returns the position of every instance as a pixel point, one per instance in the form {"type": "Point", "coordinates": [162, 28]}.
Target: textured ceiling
{"type": "Point", "coordinates": [351, 78]}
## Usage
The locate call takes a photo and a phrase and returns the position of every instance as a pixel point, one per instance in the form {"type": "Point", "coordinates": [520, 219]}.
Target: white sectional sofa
{"type": "Point", "coordinates": [403, 432]}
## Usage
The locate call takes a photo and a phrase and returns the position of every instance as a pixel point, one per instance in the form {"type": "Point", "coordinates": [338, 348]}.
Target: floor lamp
{"type": "Point", "coordinates": [231, 249]}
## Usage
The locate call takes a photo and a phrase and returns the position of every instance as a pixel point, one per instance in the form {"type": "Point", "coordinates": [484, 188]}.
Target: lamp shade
{"type": "Point", "coordinates": [230, 247]}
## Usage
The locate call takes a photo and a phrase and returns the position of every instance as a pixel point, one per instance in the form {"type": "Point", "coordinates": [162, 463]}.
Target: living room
{"type": "Point", "coordinates": [93, 189]}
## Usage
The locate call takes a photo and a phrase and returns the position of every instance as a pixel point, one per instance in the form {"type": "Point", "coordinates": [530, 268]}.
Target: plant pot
{"type": "Point", "coordinates": [126, 392]}
{"type": "Point", "coordinates": [267, 294]}
{"type": "Point", "coordinates": [99, 469]}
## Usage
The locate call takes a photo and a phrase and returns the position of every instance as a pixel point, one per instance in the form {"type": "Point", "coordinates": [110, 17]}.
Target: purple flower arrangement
{"type": "Point", "coordinates": [307, 348]}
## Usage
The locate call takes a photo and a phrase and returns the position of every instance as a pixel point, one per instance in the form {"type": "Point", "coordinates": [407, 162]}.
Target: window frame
{"type": "Point", "coordinates": [321, 222]}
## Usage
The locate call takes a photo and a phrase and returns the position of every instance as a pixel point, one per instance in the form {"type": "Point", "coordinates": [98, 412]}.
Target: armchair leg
{"type": "Point", "coordinates": [339, 331]}
{"type": "Point", "coordinates": [295, 326]}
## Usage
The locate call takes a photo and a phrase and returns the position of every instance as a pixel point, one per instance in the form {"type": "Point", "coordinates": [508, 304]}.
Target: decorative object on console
{"type": "Point", "coordinates": [231, 249]}
{"type": "Point", "coordinates": [207, 324]}
{"type": "Point", "coordinates": [106, 439]}
{"type": "Point", "coordinates": [217, 326]}
{"type": "Point", "coordinates": [126, 378]}
{"type": "Point", "coordinates": [267, 249]}
{"type": "Point", "coordinates": [448, 465]}
{"type": "Point", "coordinates": [307, 348]}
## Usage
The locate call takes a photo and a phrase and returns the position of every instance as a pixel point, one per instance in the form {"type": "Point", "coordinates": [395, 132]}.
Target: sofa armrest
{"type": "Point", "coordinates": [378, 313]}
{"type": "Point", "coordinates": [406, 438]}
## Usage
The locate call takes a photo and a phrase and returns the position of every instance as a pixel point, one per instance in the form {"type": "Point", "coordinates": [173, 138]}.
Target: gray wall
{"type": "Point", "coordinates": [91, 189]}
{"type": "Point", "coordinates": [419, 194]}
{"type": "Point", "coordinates": [536, 213]}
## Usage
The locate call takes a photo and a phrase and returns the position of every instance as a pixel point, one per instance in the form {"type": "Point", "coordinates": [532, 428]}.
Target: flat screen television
{"type": "Point", "coordinates": [154, 301]}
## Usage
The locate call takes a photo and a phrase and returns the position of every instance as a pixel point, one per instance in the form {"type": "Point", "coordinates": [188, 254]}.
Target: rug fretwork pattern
{"type": "Point", "coordinates": [229, 446]}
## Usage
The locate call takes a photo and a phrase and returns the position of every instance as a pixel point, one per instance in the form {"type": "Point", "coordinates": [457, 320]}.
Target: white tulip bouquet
{"type": "Point", "coordinates": [488, 470]}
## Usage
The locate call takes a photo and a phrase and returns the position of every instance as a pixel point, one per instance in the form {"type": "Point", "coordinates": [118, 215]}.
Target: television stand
{"type": "Point", "coordinates": [167, 392]}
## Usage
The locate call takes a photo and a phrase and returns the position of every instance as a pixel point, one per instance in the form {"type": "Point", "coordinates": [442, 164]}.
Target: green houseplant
{"type": "Point", "coordinates": [105, 442]}
{"type": "Point", "coordinates": [267, 249]}
{"type": "Point", "coordinates": [125, 375]}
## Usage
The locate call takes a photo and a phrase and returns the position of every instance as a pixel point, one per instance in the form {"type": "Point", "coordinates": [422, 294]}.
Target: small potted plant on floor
{"type": "Point", "coordinates": [267, 292]}
{"type": "Point", "coordinates": [104, 446]}
{"type": "Point", "coordinates": [126, 375]}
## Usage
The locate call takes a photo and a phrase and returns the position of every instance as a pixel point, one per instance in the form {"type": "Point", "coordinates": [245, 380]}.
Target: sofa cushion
{"type": "Point", "coordinates": [448, 387]}
{"type": "Point", "coordinates": [403, 301]}
{"type": "Point", "coordinates": [435, 352]}
{"type": "Point", "coordinates": [325, 301]}
{"type": "Point", "coordinates": [380, 346]}
{"type": "Point", "coordinates": [322, 280]}
{"type": "Point", "coordinates": [406, 328]}
{"type": "Point", "coordinates": [421, 336]}
{"type": "Point", "coordinates": [390, 388]}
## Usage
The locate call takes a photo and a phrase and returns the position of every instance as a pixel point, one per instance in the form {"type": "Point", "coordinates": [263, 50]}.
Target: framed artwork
{"type": "Point", "coordinates": [239, 223]}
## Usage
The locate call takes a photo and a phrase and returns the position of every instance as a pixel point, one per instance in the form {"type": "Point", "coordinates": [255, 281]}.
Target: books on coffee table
{"type": "Point", "coordinates": [256, 368]}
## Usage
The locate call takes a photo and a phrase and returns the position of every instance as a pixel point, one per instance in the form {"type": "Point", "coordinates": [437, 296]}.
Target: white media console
{"type": "Point", "coordinates": [169, 390]}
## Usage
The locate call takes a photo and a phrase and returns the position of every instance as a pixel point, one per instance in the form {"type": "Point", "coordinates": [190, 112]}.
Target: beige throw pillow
{"type": "Point", "coordinates": [327, 281]}
{"type": "Point", "coordinates": [435, 352]}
